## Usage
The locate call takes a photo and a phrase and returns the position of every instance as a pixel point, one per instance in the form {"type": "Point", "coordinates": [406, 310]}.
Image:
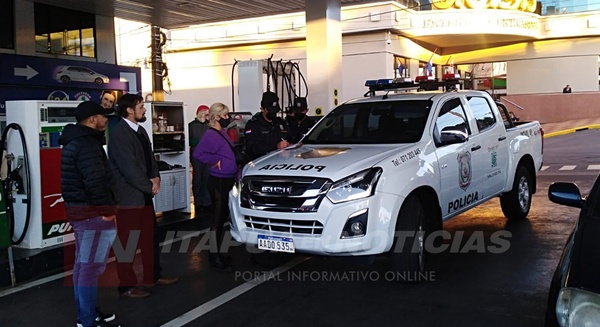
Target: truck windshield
{"type": "Point", "coordinates": [372, 123]}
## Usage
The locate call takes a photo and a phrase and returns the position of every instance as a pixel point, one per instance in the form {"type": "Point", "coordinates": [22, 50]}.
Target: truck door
{"type": "Point", "coordinates": [459, 161]}
{"type": "Point", "coordinates": [492, 136]}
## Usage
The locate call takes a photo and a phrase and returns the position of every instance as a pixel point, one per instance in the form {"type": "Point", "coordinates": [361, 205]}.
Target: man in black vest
{"type": "Point", "coordinates": [137, 181]}
{"type": "Point", "coordinates": [265, 132]}
{"type": "Point", "coordinates": [196, 130]}
{"type": "Point", "coordinates": [298, 121]}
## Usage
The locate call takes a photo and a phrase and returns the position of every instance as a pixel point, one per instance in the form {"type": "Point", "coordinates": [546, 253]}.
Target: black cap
{"type": "Point", "coordinates": [89, 108]}
{"type": "Point", "coordinates": [300, 104]}
{"type": "Point", "coordinates": [270, 101]}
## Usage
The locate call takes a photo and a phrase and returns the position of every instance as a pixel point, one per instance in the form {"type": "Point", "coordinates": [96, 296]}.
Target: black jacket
{"type": "Point", "coordinates": [196, 130]}
{"type": "Point", "coordinates": [127, 158]}
{"type": "Point", "coordinates": [261, 136]}
{"type": "Point", "coordinates": [86, 177]}
{"type": "Point", "coordinates": [297, 129]}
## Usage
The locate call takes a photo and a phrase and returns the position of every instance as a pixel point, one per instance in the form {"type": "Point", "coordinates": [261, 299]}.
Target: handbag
{"type": "Point", "coordinates": [241, 158]}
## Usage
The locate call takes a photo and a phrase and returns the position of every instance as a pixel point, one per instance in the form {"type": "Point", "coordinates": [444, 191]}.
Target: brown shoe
{"type": "Point", "coordinates": [135, 293]}
{"type": "Point", "coordinates": [166, 281]}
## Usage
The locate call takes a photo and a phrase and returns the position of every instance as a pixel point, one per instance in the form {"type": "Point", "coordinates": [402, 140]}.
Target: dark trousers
{"type": "Point", "coordinates": [200, 176]}
{"type": "Point", "coordinates": [129, 223]}
{"type": "Point", "coordinates": [93, 238]}
{"type": "Point", "coordinates": [219, 193]}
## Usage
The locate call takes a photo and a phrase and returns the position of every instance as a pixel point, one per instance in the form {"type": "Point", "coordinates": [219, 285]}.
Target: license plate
{"type": "Point", "coordinates": [275, 243]}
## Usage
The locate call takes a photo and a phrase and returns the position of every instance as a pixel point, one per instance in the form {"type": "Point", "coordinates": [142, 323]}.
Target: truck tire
{"type": "Point", "coordinates": [516, 203]}
{"type": "Point", "coordinates": [411, 222]}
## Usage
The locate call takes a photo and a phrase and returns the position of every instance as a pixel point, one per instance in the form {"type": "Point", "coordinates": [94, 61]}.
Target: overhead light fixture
{"type": "Point", "coordinates": [388, 41]}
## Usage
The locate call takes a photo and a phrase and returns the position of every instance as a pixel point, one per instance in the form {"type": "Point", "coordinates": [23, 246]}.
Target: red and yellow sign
{"type": "Point", "coordinates": [523, 5]}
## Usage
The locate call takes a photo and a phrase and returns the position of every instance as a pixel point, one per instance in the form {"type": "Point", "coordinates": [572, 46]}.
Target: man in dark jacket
{"type": "Point", "coordinates": [265, 132]}
{"type": "Point", "coordinates": [137, 181]}
{"type": "Point", "coordinates": [297, 121]}
{"type": "Point", "coordinates": [196, 129]}
{"type": "Point", "coordinates": [88, 191]}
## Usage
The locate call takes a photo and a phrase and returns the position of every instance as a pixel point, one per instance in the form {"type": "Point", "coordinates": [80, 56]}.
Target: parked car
{"type": "Point", "coordinates": [574, 297]}
{"type": "Point", "coordinates": [66, 74]}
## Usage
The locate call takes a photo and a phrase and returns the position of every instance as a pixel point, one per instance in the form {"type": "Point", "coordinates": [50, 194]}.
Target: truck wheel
{"type": "Point", "coordinates": [516, 203]}
{"type": "Point", "coordinates": [408, 250]}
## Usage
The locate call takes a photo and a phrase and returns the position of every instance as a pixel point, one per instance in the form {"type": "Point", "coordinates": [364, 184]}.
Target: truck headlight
{"type": "Point", "coordinates": [357, 186]}
{"type": "Point", "coordinates": [575, 307]}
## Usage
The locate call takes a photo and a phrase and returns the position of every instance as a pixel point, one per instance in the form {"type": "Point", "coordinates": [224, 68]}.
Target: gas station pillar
{"type": "Point", "coordinates": [413, 68]}
{"type": "Point", "coordinates": [324, 54]}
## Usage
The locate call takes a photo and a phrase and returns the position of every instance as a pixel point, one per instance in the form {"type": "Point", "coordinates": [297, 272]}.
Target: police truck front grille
{"type": "Point", "coordinates": [283, 194]}
{"type": "Point", "coordinates": [310, 227]}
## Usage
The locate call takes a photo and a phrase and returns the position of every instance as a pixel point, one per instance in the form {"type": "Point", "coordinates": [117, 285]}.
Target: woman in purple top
{"type": "Point", "coordinates": [215, 151]}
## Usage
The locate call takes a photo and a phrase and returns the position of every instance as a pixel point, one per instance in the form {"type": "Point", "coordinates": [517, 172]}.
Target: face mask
{"type": "Point", "coordinates": [271, 115]}
{"type": "Point", "coordinates": [224, 122]}
{"type": "Point", "coordinates": [299, 115]}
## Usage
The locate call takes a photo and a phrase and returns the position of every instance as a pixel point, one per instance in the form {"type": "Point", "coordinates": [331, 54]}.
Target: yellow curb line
{"type": "Point", "coordinates": [571, 130]}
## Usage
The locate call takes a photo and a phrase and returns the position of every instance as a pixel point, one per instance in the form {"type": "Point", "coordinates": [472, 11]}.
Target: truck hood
{"type": "Point", "coordinates": [330, 161]}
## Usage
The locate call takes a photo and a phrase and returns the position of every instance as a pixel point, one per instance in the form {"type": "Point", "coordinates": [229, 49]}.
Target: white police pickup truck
{"type": "Point", "coordinates": [379, 174]}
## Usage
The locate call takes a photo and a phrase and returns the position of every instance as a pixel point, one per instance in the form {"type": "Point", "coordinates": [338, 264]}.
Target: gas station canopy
{"type": "Point", "coordinates": [181, 13]}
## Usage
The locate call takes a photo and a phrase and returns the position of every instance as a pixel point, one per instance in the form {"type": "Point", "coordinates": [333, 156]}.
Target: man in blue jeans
{"type": "Point", "coordinates": [90, 202]}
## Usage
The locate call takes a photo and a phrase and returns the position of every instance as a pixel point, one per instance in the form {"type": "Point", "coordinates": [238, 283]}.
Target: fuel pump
{"type": "Point", "coordinates": [5, 235]}
{"type": "Point", "coordinates": [14, 183]}
{"type": "Point", "coordinates": [32, 186]}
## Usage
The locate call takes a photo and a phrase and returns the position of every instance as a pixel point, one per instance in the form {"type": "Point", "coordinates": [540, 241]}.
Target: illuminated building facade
{"type": "Point", "coordinates": [503, 45]}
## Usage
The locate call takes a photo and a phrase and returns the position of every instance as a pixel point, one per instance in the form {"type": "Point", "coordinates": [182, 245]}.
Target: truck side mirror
{"type": "Point", "coordinates": [453, 135]}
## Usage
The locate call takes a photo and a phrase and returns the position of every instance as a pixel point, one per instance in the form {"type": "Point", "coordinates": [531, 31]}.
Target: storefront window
{"type": "Point", "coordinates": [64, 31]}
{"type": "Point", "coordinates": [558, 7]}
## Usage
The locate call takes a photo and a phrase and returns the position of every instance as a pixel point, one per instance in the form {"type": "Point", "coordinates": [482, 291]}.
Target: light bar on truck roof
{"type": "Point", "coordinates": [371, 82]}
{"type": "Point", "coordinates": [450, 76]}
{"type": "Point", "coordinates": [379, 82]}
{"type": "Point", "coordinates": [422, 78]}
{"type": "Point", "coordinates": [388, 84]}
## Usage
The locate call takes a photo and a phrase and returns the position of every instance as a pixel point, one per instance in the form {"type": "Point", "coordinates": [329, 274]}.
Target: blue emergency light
{"type": "Point", "coordinates": [424, 83]}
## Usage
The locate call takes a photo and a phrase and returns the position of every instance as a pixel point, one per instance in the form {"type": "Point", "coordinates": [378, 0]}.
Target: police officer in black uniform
{"type": "Point", "coordinates": [265, 132]}
{"type": "Point", "coordinates": [297, 120]}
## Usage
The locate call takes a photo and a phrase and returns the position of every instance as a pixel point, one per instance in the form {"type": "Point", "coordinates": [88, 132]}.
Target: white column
{"type": "Point", "coordinates": [323, 54]}
{"type": "Point", "coordinates": [414, 68]}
